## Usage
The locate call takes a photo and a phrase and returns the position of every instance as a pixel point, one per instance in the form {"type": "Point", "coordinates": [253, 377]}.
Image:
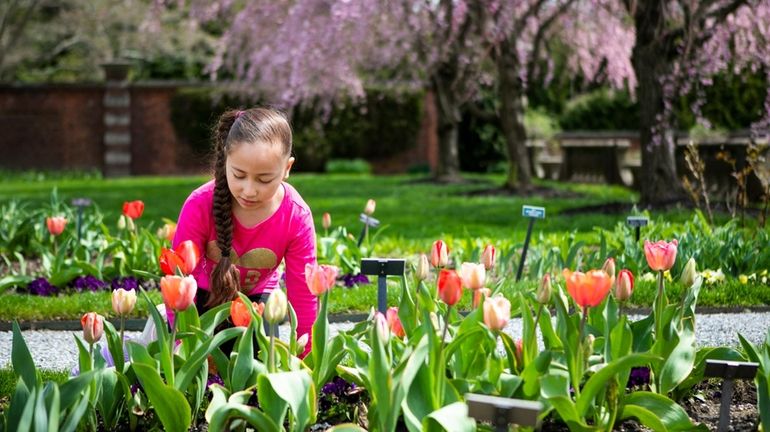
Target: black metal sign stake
{"type": "Point", "coordinates": [730, 371]}
{"type": "Point", "coordinates": [637, 222]}
{"type": "Point", "coordinates": [532, 213]}
{"type": "Point", "coordinates": [80, 203]}
{"type": "Point", "coordinates": [382, 268]}
{"type": "Point", "coordinates": [502, 412]}
{"type": "Point", "coordinates": [368, 221]}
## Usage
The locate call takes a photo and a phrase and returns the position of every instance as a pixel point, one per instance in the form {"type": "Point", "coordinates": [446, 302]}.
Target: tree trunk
{"type": "Point", "coordinates": [651, 61]}
{"type": "Point", "coordinates": [448, 111]}
{"type": "Point", "coordinates": [511, 92]}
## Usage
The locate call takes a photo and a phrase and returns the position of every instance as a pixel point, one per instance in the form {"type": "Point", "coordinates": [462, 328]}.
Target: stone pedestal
{"type": "Point", "coordinates": [117, 120]}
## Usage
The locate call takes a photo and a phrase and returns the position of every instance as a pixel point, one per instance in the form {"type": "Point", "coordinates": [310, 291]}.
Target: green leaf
{"type": "Point", "coordinates": [15, 411]}
{"type": "Point", "coordinates": [72, 389]}
{"type": "Point", "coordinates": [658, 412]}
{"type": "Point", "coordinates": [40, 414]}
{"type": "Point", "coordinates": [169, 403]}
{"type": "Point", "coordinates": [52, 405]}
{"type": "Point", "coordinates": [451, 418]}
{"type": "Point", "coordinates": [23, 365]}
{"type": "Point", "coordinates": [243, 374]}
{"type": "Point", "coordinates": [220, 418]}
{"type": "Point", "coordinates": [555, 389]}
{"type": "Point", "coordinates": [297, 390]}
{"type": "Point", "coordinates": [347, 427]}
{"type": "Point", "coordinates": [198, 358]}
{"type": "Point", "coordinates": [679, 363]}
{"type": "Point", "coordinates": [599, 380]}
{"type": "Point", "coordinates": [73, 419]}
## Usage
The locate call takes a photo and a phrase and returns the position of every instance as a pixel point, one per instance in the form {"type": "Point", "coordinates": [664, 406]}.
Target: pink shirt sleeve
{"type": "Point", "coordinates": [195, 220]}
{"type": "Point", "coordinates": [301, 251]}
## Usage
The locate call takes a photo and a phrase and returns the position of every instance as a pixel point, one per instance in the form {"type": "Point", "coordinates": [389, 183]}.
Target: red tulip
{"type": "Point", "coordinates": [239, 312]}
{"type": "Point", "coordinates": [624, 286]}
{"type": "Point", "coordinates": [660, 255]}
{"type": "Point", "coordinates": [185, 258]}
{"type": "Point", "coordinates": [55, 224]}
{"type": "Point", "coordinates": [439, 254]}
{"type": "Point", "coordinates": [450, 286]}
{"type": "Point", "coordinates": [489, 256]}
{"type": "Point", "coordinates": [93, 327]}
{"type": "Point", "coordinates": [394, 322]}
{"type": "Point", "coordinates": [178, 292]}
{"type": "Point", "coordinates": [588, 289]}
{"type": "Point", "coordinates": [320, 278]}
{"type": "Point", "coordinates": [133, 209]}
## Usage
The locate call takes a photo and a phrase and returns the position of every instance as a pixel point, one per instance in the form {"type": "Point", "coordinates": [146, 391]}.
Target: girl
{"type": "Point", "coordinates": [247, 219]}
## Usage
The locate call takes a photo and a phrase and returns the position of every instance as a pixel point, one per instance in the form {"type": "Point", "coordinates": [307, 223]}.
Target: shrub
{"type": "Point", "coordinates": [601, 109]}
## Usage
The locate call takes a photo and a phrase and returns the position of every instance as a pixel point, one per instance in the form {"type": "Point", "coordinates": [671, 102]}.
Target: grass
{"type": "Point", "coordinates": [8, 380]}
{"type": "Point", "coordinates": [65, 307]}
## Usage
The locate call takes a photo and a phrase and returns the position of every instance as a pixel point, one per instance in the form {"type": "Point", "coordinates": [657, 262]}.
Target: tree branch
{"type": "Point", "coordinates": [540, 35]}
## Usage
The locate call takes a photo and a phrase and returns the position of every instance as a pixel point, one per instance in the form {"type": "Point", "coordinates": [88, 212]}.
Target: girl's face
{"type": "Point", "coordinates": [255, 172]}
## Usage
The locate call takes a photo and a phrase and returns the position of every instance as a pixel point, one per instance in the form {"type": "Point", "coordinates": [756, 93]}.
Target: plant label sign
{"type": "Point", "coordinates": [637, 221]}
{"type": "Point", "coordinates": [533, 212]}
{"type": "Point", "coordinates": [502, 412]}
{"type": "Point", "coordinates": [730, 371]}
{"type": "Point", "coordinates": [382, 268]}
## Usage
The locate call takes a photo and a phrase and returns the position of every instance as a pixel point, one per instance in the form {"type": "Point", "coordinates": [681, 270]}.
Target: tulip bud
{"type": "Point", "coordinates": [122, 222]}
{"type": "Point", "coordinates": [178, 292]}
{"type": "Point", "coordinates": [423, 267]}
{"type": "Point", "coordinates": [543, 294]}
{"type": "Point", "coordinates": [497, 312]}
{"type": "Point", "coordinates": [55, 224]}
{"type": "Point", "coordinates": [489, 256]}
{"type": "Point", "coordinates": [479, 295]}
{"type": "Point", "coordinates": [689, 274]}
{"type": "Point", "coordinates": [439, 254]}
{"type": "Point", "coordinates": [381, 328]}
{"type": "Point", "coordinates": [276, 307]}
{"type": "Point", "coordinates": [130, 224]}
{"type": "Point", "coordinates": [302, 342]}
{"type": "Point", "coordinates": [624, 286]}
{"type": "Point", "coordinates": [609, 268]}
{"type": "Point", "coordinates": [370, 206]}
{"type": "Point", "coordinates": [326, 220]}
{"type": "Point", "coordinates": [474, 275]}
{"type": "Point", "coordinates": [123, 301]}
{"type": "Point", "coordinates": [519, 353]}
{"type": "Point", "coordinates": [93, 327]}
{"type": "Point", "coordinates": [394, 322]}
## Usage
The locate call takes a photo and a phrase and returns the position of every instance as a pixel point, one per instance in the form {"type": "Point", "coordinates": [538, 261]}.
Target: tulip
{"type": "Point", "coordinates": [479, 295]}
{"type": "Point", "coordinates": [370, 206]}
{"type": "Point", "coordinates": [55, 224]}
{"type": "Point", "coordinates": [489, 256]}
{"type": "Point", "coordinates": [122, 222]}
{"type": "Point", "coordinates": [178, 292]}
{"type": "Point", "coordinates": [423, 267]}
{"type": "Point", "coordinates": [543, 294]}
{"type": "Point", "coordinates": [497, 312]}
{"type": "Point", "coordinates": [381, 328]}
{"type": "Point", "coordinates": [133, 209]}
{"type": "Point", "coordinates": [660, 255]}
{"type": "Point", "coordinates": [394, 322]}
{"type": "Point", "coordinates": [320, 278]}
{"type": "Point", "coordinates": [609, 268]}
{"type": "Point", "coordinates": [450, 287]}
{"type": "Point", "coordinates": [302, 342]}
{"type": "Point", "coordinates": [326, 220]}
{"type": "Point", "coordinates": [130, 224]}
{"type": "Point", "coordinates": [123, 301]}
{"type": "Point", "coordinates": [93, 327]}
{"type": "Point", "coordinates": [439, 254]}
{"type": "Point", "coordinates": [689, 274]}
{"type": "Point", "coordinates": [474, 275]}
{"type": "Point", "coordinates": [239, 312]}
{"type": "Point", "coordinates": [276, 307]}
{"type": "Point", "coordinates": [588, 289]}
{"type": "Point", "coordinates": [167, 231]}
{"type": "Point", "coordinates": [624, 286]}
{"type": "Point", "coordinates": [185, 258]}
{"type": "Point", "coordinates": [519, 353]}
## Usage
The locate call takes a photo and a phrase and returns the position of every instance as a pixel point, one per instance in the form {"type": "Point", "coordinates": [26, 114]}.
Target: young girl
{"type": "Point", "coordinates": [247, 219]}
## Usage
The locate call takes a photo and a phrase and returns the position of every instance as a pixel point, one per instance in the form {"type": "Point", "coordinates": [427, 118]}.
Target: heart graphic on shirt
{"type": "Point", "coordinates": [258, 258]}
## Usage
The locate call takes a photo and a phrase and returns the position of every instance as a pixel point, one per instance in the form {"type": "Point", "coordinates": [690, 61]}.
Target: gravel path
{"type": "Point", "coordinates": [57, 349]}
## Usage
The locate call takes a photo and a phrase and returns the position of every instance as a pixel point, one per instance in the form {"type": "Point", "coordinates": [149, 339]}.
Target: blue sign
{"type": "Point", "coordinates": [636, 221]}
{"type": "Point", "coordinates": [533, 212]}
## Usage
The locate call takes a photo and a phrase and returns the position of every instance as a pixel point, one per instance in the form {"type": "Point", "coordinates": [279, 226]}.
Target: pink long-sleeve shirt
{"type": "Point", "coordinates": [288, 235]}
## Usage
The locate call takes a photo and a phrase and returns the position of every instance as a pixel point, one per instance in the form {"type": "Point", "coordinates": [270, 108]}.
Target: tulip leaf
{"type": "Point", "coordinates": [253, 416]}
{"type": "Point", "coordinates": [114, 345]}
{"type": "Point", "coordinates": [23, 365]}
{"type": "Point", "coordinates": [420, 400]}
{"type": "Point", "coordinates": [599, 380]}
{"type": "Point", "coordinates": [450, 418]}
{"type": "Point", "coordinates": [73, 419]}
{"type": "Point", "coordinates": [53, 405]}
{"type": "Point", "coordinates": [320, 333]}
{"type": "Point", "coordinates": [296, 389]}
{"type": "Point", "coordinates": [192, 365]}
{"type": "Point", "coordinates": [243, 373]}
{"type": "Point", "coordinates": [346, 427]}
{"type": "Point", "coordinates": [679, 363]}
{"type": "Point", "coordinates": [658, 412]}
{"type": "Point", "coordinates": [110, 397]}
{"type": "Point", "coordinates": [72, 389]}
{"type": "Point", "coordinates": [170, 404]}
{"type": "Point", "coordinates": [555, 389]}
{"type": "Point", "coordinates": [213, 317]}
{"type": "Point", "coordinates": [40, 413]}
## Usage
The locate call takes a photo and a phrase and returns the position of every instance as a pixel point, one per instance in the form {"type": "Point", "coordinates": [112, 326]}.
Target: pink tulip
{"type": "Point", "coordinates": [326, 220]}
{"type": "Point", "coordinates": [178, 292]}
{"type": "Point", "coordinates": [543, 294]}
{"type": "Point", "coordinates": [609, 267]}
{"type": "Point", "coordinates": [439, 254]}
{"type": "Point", "coordinates": [55, 224]}
{"type": "Point", "coordinates": [320, 278]}
{"type": "Point", "coordinates": [394, 322]}
{"type": "Point", "coordinates": [624, 286]}
{"type": "Point", "coordinates": [660, 255]}
{"type": "Point", "coordinates": [474, 275]}
{"type": "Point", "coordinates": [370, 206]}
{"type": "Point", "coordinates": [489, 256]}
{"type": "Point", "coordinates": [479, 295]}
{"type": "Point", "coordinates": [497, 312]}
{"type": "Point", "coordinates": [93, 327]}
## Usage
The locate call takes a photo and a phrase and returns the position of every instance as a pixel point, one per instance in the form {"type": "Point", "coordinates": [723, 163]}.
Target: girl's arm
{"type": "Point", "coordinates": [301, 251]}
{"type": "Point", "coordinates": [194, 222]}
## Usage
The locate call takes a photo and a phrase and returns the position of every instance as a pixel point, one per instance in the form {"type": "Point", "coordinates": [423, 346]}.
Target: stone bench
{"type": "Point", "coordinates": [599, 157]}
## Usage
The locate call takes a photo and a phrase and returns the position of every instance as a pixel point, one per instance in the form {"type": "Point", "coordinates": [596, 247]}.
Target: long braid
{"type": "Point", "coordinates": [225, 279]}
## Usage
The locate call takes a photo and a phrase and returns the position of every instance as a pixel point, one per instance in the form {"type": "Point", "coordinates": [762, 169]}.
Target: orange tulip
{"type": "Point", "coordinates": [625, 285]}
{"type": "Point", "coordinates": [660, 255]}
{"type": "Point", "coordinates": [439, 254]}
{"type": "Point", "coordinates": [497, 312]}
{"type": "Point", "coordinates": [178, 292]}
{"type": "Point", "coordinates": [133, 209]}
{"type": "Point", "coordinates": [320, 278]}
{"type": "Point", "coordinates": [489, 256]}
{"type": "Point", "coordinates": [394, 322]}
{"type": "Point", "coordinates": [239, 312]}
{"type": "Point", "coordinates": [326, 220]}
{"type": "Point", "coordinates": [55, 224]}
{"type": "Point", "coordinates": [474, 275]}
{"type": "Point", "coordinates": [185, 258]}
{"type": "Point", "coordinates": [93, 327]}
{"type": "Point", "coordinates": [588, 289]}
{"type": "Point", "coordinates": [450, 287]}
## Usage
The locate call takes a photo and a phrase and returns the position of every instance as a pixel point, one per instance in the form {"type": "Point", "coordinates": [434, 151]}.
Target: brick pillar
{"type": "Point", "coordinates": [117, 120]}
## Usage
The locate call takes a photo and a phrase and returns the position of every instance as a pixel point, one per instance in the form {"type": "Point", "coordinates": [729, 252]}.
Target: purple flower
{"type": "Point", "coordinates": [87, 283]}
{"type": "Point", "coordinates": [214, 379]}
{"type": "Point", "coordinates": [350, 279]}
{"type": "Point", "coordinates": [639, 376]}
{"type": "Point", "coordinates": [127, 283]}
{"type": "Point", "coordinates": [338, 386]}
{"type": "Point", "coordinates": [42, 287]}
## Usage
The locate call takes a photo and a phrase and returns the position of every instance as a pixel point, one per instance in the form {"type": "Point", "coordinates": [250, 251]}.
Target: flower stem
{"type": "Point", "coordinates": [122, 327]}
{"type": "Point", "coordinates": [271, 355]}
{"type": "Point", "coordinates": [659, 307]}
{"type": "Point", "coordinates": [441, 368]}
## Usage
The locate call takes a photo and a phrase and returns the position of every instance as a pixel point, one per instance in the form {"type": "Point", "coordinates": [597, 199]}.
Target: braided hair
{"type": "Point", "coordinates": [236, 128]}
